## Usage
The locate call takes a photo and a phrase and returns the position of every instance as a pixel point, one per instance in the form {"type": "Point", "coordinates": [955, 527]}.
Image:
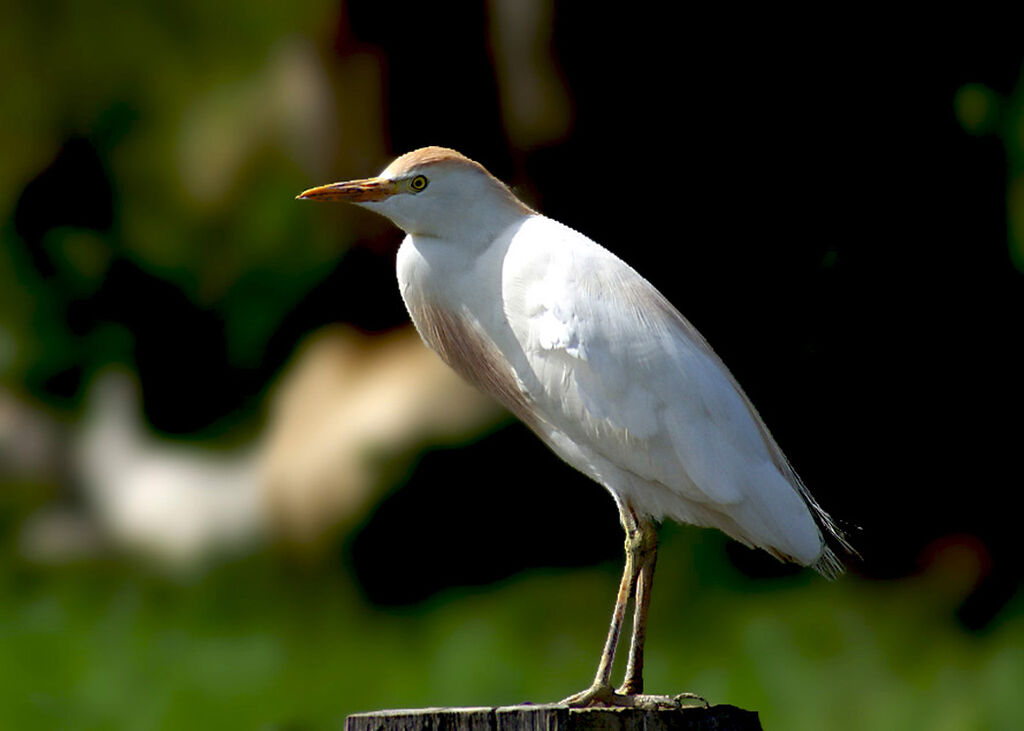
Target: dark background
{"type": "Point", "coordinates": [819, 196]}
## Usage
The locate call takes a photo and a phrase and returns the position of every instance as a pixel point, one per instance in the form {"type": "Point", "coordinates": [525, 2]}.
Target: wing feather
{"type": "Point", "coordinates": [622, 372]}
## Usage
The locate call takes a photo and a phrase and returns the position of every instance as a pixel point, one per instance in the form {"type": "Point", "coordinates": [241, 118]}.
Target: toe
{"type": "Point", "coordinates": [595, 695]}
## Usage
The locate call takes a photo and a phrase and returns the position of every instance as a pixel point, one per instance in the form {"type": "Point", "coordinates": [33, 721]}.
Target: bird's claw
{"type": "Point", "coordinates": [604, 696]}
{"type": "Point", "coordinates": [680, 697]}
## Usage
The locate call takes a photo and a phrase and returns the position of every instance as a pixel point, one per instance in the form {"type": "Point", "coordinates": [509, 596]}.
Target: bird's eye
{"type": "Point", "coordinates": [418, 183]}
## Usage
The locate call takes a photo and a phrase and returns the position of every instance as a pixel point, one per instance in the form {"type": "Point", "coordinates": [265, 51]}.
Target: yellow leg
{"type": "Point", "coordinates": [646, 555]}
{"type": "Point", "coordinates": [641, 554]}
{"type": "Point", "coordinates": [601, 692]}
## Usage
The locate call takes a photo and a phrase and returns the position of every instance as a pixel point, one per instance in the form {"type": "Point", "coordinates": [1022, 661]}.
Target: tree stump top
{"type": "Point", "coordinates": [555, 717]}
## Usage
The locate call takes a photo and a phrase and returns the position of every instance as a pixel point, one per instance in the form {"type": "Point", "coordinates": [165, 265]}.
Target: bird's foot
{"type": "Point", "coordinates": [596, 695]}
{"type": "Point", "coordinates": [604, 696]}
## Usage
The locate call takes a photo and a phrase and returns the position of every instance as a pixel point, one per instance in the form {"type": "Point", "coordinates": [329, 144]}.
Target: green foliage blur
{"type": "Point", "coordinates": [183, 104]}
{"type": "Point", "coordinates": [260, 645]}
{"type": "Point", "coordinates": [193, 112]}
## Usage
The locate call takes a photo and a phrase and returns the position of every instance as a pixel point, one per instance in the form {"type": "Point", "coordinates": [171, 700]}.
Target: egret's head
{"type": "Point", "coordinates": [433, 191]}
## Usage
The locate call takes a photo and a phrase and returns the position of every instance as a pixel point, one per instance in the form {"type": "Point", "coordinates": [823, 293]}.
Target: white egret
{"type": "Point", "coordinates": [600, 365]}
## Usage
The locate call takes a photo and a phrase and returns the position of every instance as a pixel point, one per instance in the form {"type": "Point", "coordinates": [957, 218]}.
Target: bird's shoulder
{"type": "Point", "coordinates": [564, 287]}
{"type": "Point", "coordinates": [540, 243]}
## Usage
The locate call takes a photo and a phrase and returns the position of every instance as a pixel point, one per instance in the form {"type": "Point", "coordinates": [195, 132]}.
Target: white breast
{"type": "Point", "coordinates": [454, 300]}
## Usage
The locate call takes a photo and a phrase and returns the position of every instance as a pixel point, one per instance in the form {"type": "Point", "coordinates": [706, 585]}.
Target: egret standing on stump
{"type": "Point", "coordinates": [601, 366]}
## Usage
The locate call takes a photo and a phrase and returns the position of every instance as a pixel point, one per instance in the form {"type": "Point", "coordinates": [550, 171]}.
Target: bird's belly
{"type": "Point", "coordinates": [478, 344]}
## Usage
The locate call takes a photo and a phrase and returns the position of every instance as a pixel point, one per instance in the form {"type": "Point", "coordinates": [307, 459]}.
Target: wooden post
{"type": "Point", "coordinates": [556, 717]}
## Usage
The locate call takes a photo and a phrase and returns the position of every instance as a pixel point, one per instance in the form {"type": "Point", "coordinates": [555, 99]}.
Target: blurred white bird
{"type": "Point", "coordinates": [600, 365]}
{"type": "Point", "coordinates": [171, 504]}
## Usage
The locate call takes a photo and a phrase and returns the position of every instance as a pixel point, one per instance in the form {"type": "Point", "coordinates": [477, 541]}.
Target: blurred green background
{"type": "Point", "coordinates": [235, 492]}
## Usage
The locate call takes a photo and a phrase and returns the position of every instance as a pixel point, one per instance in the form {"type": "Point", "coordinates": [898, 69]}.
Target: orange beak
{"type": "Point", "coordinates": [354, 191]}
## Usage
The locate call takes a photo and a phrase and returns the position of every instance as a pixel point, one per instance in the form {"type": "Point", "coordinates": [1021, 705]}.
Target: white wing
{"type": "Point", "coordinates": [622, 374]}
